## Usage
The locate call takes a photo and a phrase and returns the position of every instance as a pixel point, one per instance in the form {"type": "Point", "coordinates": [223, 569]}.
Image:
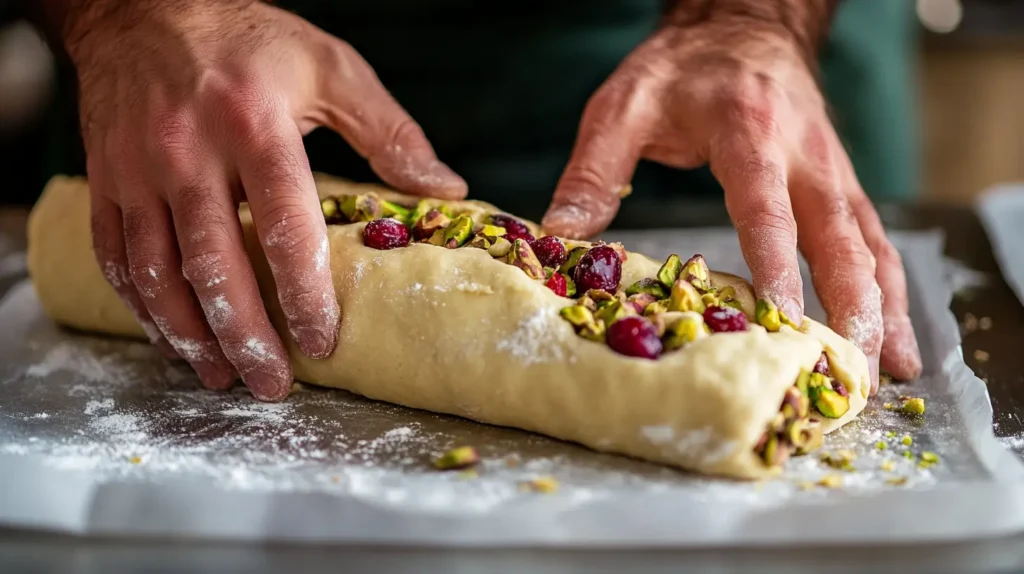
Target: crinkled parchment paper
{"type": "Point", "coordinates": [1001, 210]}
{"type": "Point", "coordinates": [104, 437]}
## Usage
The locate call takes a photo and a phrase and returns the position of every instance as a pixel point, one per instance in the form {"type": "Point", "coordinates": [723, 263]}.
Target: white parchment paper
{"type": "Point", "coordinates": [1001, 210]}
{"type": "Point", "coordinates": [99, 436]}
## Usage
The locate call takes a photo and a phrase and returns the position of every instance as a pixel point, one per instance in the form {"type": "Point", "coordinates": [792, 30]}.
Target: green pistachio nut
{"type": "Point", "coordinates": [913, 406]}
{"type": "Point", "coordinates": [522, 256]}
{"type": "Point", "coordinates": [648, 286]}
{"type": "Point", "coordinates": [660, 306]}
{"type": "Point", "coordinates": [329, 209]}
{"type": "Point", "coordinates": [696, 271]}
{"type": "Point", "coordinates": [830, 403]}
{"type": "Point", "coordinates": [572, 259]}
{"type": "Point", "coordinates": [612, 312]}
{"type": "Point", "coordinates": [775, 453]}
{"type": "Point", "coordinates": [803, 381]}
{"type": "Point", "coordinates": [682, 329]}
{"type": "Point", "coordinates": [640, 301]}
{"type": "Point", "coordinates": [582, 319]}
{"type": "Point", "coordinates": [393, 210]}
{"type": "Point", "coordinates": [818, 380]}
{"type": "Point", "coordinates": [768, 315]}
{"type": "Point", "coordinates": [600, 295]}
{"type": "Point", "coordinates": [480, 242]}
{"type": "Point", "coordinates": [726, 294]}
{"type": "Point", "coordinates": [570, 285]}
{"type": "Point", "coordinates": [670, 271]}
{"type": "Point", "coordinates": [447, 211]}
{"type": "Point", "coordinates": [685, 297]}
{"type": "Point", "coordinates": [797, 401]}
{"type": "Point", "coordinates": [458, 231]}
{"type": "Point", "coordinates": [813, 436]}
{"type": "Point", "coordinates": [362, 207]}
{"type": "Point", "coordinates": [421, 210]}
{"type": "Point", "coordinates": [437, 238]}
{"type": "Point", "coordinates": [500, 247]}
{"type": "Point", "coordinates": [457, 458]}
{"type": "Point", "coordinates": [431, 222]}
{"type": "Point", "coordinates": [490, 231]}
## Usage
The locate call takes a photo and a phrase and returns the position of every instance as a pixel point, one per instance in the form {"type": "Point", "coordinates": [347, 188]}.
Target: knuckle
{"type": "Point", "coordinates": [404, 132]}
{"type": "Point", "coordinates": [205, 267]}
{"type": "Point", "coordinates": [887, 254]}
{"type": "Point", "coordinates": [753, 104]}
{"type": "Point", "coordinates": [174, 138]}
{"type": "Point", "coordinates": [289, 227]}
{"type": "Point", "coordinates": [247, 109]}
{"type": "Point", "coordinates": [772, 214]}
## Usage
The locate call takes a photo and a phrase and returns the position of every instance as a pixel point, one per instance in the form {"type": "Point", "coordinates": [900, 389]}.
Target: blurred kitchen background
{"type": "Point", "coordinates": [969, 84]}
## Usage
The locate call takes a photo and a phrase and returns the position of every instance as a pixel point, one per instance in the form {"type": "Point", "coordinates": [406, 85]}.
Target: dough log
{"type": "Point", "coordinates": [457, 331]}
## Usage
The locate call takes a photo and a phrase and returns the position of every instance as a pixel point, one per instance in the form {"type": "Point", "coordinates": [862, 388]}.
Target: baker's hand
{"type": "Point", "coordinates": [190, 107]}
{"type": "Point", "coordinates": [745, 102]}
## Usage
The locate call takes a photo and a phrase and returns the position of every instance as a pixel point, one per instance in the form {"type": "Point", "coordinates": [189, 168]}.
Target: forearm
{"type": "Point", "coordinates": [805, 21]}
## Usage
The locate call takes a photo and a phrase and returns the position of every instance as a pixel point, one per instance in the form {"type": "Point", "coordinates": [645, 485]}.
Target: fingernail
{"type": "Point", "coordinates": [873, 373]}
{"type": "Point", "coordinates": [267, 387]}
{"type": "Point", "coordinates": [314, 343]}
{"type": "Point", "coordinates": [214, 377]}
{"type": "Point", "coordinates": [792, 310]}
{"type": "Point", "coordinates": [566, 219]}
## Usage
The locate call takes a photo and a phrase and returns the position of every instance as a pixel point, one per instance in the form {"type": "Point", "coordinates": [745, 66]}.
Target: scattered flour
{"type": "Point", "coordinates": [537, 338]}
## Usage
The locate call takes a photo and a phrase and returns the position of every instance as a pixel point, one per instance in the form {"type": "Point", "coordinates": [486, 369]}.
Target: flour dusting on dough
{"type": "Point", "coordinates": [537, 339]}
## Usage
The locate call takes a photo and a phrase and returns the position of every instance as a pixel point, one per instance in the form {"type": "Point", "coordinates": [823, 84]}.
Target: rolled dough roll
{"type": "Point", "coordinates": [458, 332]}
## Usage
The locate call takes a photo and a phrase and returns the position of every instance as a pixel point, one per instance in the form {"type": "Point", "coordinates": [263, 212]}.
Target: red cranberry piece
{"type": "Point", "coordinates": [514, 229]}
{"type": "Point", "coordinates": [725, 319]}
{"type": "Point", "coordinates": [840, 388]}
{"type": "Point", "coordinates": [599, 268]}
{"type": "Point", "coordinates": [385, 234]}
{"type": "Point", "coordinates": [550, 250]}
{"type": "Point", "coordinates": [634, 336]}
{"type": "Point", "coordinates": [557, 284]}
{"type": "Point", "coordinates": [822, 365]}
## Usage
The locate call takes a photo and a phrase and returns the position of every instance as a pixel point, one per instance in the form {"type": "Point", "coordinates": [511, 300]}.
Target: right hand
{"type": "Point", "coordinates": [189, 108]}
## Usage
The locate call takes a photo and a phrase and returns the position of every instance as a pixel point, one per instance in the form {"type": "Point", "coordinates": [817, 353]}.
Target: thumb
{"type": "Point", "coordinates": [354, 103]}
{"type": "Point", "coordinates": [600, 169]}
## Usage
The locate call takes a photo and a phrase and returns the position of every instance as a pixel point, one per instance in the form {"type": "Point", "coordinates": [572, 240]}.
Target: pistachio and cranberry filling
{"type": "Point", "coordinates": [796, 428]}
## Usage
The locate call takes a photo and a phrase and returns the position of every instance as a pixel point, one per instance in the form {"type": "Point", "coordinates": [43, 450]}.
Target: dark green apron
{"type": "Point", "coordinates": [499, 89]}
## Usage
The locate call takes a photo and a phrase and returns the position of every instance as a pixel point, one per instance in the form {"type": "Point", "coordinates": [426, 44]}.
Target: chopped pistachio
{"type": "Point", "coordinates": [468, 474]}
{"type": "Point", "coordinates": [696, 272]}
{"type": "Point", "coordinates": [457, 232]}
{"type": "Point", "coordinates": [570, 285]}
{"type": "Point", "coordinates": [329, 208]}
{"type": "Point", "coordinates": [490, 231]}
{"type": "Point", "coordinates": [648, 286]}
{"type": "Point", "coordinates": [657, 307]}
{"type": "Point", "coordinates": [897, 481]}
{"type": "Point", "coordinates": [686, 328]}
{"type": "Point", "coordinates": [500, 248]}
{"type": "Point", "coordinates": [880, 445]}
{"type": "Point", "coordinates": [522, 256]}
{"type": "Point", "coordinates": [572, 259]}
{"type": "Point", "coordinates": [479, 242]}
{"type": "Point", "coordinates": [887, 406]}
{"type": "Point", "coordinates": [806, 485]}
{"type": "Point", "coordinates": [544, 484]}
{"type": "Point", "coordinates": [457, 458]}
{"type": "Point", "coordinates": [431, 222]}
{"type": "Point", "coordinates": [829, 403]}
{"type": "Point", "coordinates": [362, 207]}
{"type": "Point", "coordinates": [685, 297]}
{"type": "Point", "coordinates": [670, 270]}
{"type": "Point", "coordinates": [422, 208]}
{"type": "Point", "coordinates": [767, 315]}
{"type": "Point", "coordinates": [583, 320]}
{"type": "Point", "coordinates": [135, 459]}
{"type": "Point", "coordinates": [929, 457]}
{"type": "Point", "coordinates": [612, 312]}
{"type": "Point", "coordinates": [775, 453]}
{"type": "Point", "coordinates": [841, 459]}
{"type": "Point", "coordinates": [914, 406]}
{"type": "Point", "coordinates": [726, 294]}
{"type": "Point", "coordinates": [890, 434]}
{"type": "Point", "coordinates": [906, 440]}
{"type": "Point", "coordinates": [908, 455]}
{"type": "Point", "coordinates": [803, 381]}
{"type": "Point", "coordinates": [393, 210]}
{"type": "Point", "coordinates": [888, 466]}
{"type": "Point", "coordinates": [831, 481]}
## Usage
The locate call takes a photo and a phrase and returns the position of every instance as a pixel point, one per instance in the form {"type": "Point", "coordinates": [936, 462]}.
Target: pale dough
{"type": "Point", "coordinates": [454, 331]}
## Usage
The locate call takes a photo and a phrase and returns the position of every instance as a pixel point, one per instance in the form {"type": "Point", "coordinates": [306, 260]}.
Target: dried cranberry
{"type": "Point", "coordinates": [634, 336]}
{"type": "Point", "coordinates": [385, 234]}
{"type": "Point", "coordinates": [725, 319]}
{"type": "Point", "coordinates": [840, 388]}
{"type": "Point", "coordinates": [599, 268]}
{"type": "Point", "coordinates": [550, 250]}
{"type": "Point", "coordinates": [822, 365]}
{"type": "Point", "coordinates": [514, 229]}
{"type": "Point", "coordinates": [557, 284]}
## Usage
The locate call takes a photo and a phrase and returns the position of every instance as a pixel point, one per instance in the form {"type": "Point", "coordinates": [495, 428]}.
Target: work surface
{"type": "Point", "coordinates": [1000, 341]}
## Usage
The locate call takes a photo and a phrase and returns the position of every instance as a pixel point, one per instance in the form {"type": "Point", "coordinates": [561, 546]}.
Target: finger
{"type": "Point", "coordinates": [286, 211]}
{"type": "Point", "coordinates": [155, 267]}
{"type": "Point", "coordinates": [752, 172]}
{"type": "Point", "coordinates": [900, 356]}
{"type": "Point", "coordinates": [354, 103]}
{"type": "Point", "coordinates": [841, 265]}
{"type": "Point", "coordinates": [215, 263]}
{"type": "Point", "coordinates": [109, 249]}
{"type": "Point", "coordinates": [612, 130]}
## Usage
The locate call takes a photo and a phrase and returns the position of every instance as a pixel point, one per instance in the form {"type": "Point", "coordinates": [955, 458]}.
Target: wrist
{"type": "Point", "coordinates": [803, 24]}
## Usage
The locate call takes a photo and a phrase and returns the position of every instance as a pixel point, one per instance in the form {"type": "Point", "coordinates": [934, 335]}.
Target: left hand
{"type": "Point", "coordinates": [746, 103]}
